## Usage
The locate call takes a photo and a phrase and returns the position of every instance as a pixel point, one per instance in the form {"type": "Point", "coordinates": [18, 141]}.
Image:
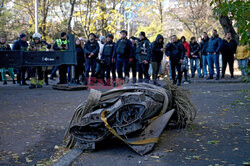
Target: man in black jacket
{"type": "Point", "coordinates": [175, 50]}
{"type": "Point", "coordinates": [156, 56]}
{"type": "Point", "coordinates": [21, 45]}
{"type": "Point", "coordinates": [228, 50]}
{"type": "Point", "coordinates": [204, 43]}
{"type": "Point", "coordinates": [122, 53]}
{"type": "Point", "coordinates": [106, 56]}
{"type": "Point", "coordinates": [144, 57]}
{"type": "Point", "coordinates": [194, 57]}
{"type": "Point", "coordinates": [91, 50]}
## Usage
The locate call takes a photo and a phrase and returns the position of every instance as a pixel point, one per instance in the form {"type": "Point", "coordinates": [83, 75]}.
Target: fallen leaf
{"type": "Point", "coordinates": [213, 142]}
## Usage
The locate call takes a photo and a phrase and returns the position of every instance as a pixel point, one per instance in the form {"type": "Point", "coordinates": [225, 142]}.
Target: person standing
{"type": "Point", "coordinates": [213, 50]}
{"type": "Point", "coordinates": [4, 46]}
{"type": "Point", "coordinates": [62, 45]}
{"type": "Point", "coordinates": [107, 53]}
{"type": "Point", "coordinates": [243, 55]}
{"type": "Point", "coordinates": [194, 57]}
{"type": "Point", "coordinates": [228, 50]}
{"type": "Point", "coordinates": [184, 66]}
{"type": "Point", "coordinates": [205, 59]}
{"type": "Point", "coordinates": [37, 45]}
{"type": "Point", "coordinates": [21, 45]}
{"type": "Point", "coordinates": [144, 57]}
{"type": "Point", "coordinates": [91, 50]}
{"type": "Point", "coordinates": [176, 51]}
{"type": "Point", "coordinates": [100, 64]}
{"type": "Point", "coordinates": [156, 57]}
{"type": "Point", "coordinates": [132, 61]}
{"type": "Point", "coordinates": [80, 60]}
{"type": "Point", "coordinates": [122, 53]}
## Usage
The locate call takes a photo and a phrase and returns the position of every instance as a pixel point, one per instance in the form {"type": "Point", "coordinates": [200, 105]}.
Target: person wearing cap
{"type": "Point", "coordinates": [91, 50]}
{"type": "Point", "coordinates": [144, 53]}
{"type": "Point", "coordinates": [37, 45]}
{"type": "Point", "coordinates": [132, 61]}
{"type": "Point", "coordinates": [4, 46]}
{"type": "Point", "coordinates": [62, 45]}
{"type": "Point", "coordinates": [157, 55]}
{"type": "Point", "coordinates": [21, 45]}
{"type": "Point", "coordinates": [122, 53]}
{"type": "Point", "coordinates": [106, 56]}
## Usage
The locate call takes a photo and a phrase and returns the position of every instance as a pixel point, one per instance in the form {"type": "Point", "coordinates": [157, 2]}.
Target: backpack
{"type": "Point", "coordinates": [121, 47]}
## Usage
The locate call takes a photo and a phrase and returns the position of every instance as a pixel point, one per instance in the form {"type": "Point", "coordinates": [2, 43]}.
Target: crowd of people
{"type": "Point", "coordinates": [103, 57]}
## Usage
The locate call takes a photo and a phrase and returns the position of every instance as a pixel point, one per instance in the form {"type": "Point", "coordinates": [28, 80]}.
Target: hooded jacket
{"type": "Point", "coordinates": [175, 51]}
{"type": "Point", "coordinates": [157, 54]}
{"type": "Point", "coordinates": [214, 44]}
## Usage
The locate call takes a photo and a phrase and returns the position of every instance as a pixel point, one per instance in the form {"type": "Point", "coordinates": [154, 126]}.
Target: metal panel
{"type": "Point", "coordinates": [39, 58]}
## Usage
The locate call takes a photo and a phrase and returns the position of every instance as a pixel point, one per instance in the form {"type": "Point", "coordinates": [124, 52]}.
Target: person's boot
{"type": "Point", "coordinates": [217, 78]}
{"type": "Point", "coordinates": [210, 78]}
{"type": "Point", "coordinates": [32, 86]}
{"type": "Point", "coordinates": [40, 84]}
{"type": "Point", "coordinates": [232, 77]}
{"type": "Point", "coordinates": [222, 76]}
{"type": "Point", "coordinates": [4, 82]}
{"type": "Point", "coordinates": [14, 82]}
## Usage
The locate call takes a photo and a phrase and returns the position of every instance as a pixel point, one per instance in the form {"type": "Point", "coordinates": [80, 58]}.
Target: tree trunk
{"type": "Point", "coordinates": [72, 6]}
{"type": "Point", "coordinates": [227, 26]}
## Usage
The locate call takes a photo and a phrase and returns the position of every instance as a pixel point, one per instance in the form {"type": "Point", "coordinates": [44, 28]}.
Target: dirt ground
{"type": "Point", "coordinates": [33, 122]}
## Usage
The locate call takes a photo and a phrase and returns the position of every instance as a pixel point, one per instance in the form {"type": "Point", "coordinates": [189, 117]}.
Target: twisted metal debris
{"type": "Point", "coordinates": [136, 114]}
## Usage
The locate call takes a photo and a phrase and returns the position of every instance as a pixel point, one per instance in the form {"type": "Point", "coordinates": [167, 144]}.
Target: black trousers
{"type": "Point", "coordinates": [78, 71]}
{"type": "Point", "coordinates": [228, 60]}
{"type": "Point", "coordinates": [62, 74]}
{"type": "Point", "coordinates": [132, 65]}
{"type": "Point", "coordinates": [21, 74]}
{"type": "Point", "coordinates": [176, 65]}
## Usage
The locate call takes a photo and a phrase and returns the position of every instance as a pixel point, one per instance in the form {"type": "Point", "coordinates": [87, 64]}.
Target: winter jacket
{"type": "Point", "coordinates": [242, 52]}
{"type": "Point", "coordinates": [4, 47]}
{"type": "Point", "coordinates": [214, 44]}
{"type": "Point", "coordinates": [107, 52]}
{"type": "Point", "coordinates": [204, 44]}
{"type": "Point", "coordinates": [187, 48]}
{"type": "Point", "coordinates": [157, 54]}
{"type": "Point", "coordinates": [128, 49]}
{"type": "Point", "coordinates": [194, 48]}
{"type": "Point", "coordinates": [144, 49]}
{"type": "Point", "coordinates": [20, 45]}
{"type": "Point", "coordinates": [175, 51]}
{"type": "Point", "coordinates": [90, 47]}
{"type": "Point", "coordinates": [228, 48]}
{"type": "Point", "coordinates": [80, 55]}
